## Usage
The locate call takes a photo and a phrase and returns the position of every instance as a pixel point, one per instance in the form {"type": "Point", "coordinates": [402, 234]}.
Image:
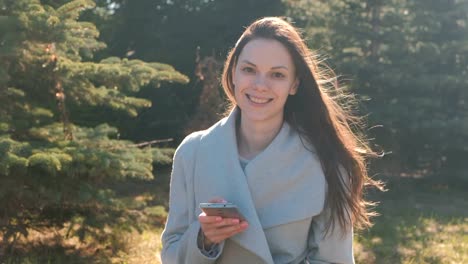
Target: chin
{"type": "Point", "coordinates": [260, 117]}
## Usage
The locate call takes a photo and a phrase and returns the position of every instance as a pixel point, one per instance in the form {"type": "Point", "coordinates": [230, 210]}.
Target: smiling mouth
{"type": "Point", "coordinates": [258, 100]}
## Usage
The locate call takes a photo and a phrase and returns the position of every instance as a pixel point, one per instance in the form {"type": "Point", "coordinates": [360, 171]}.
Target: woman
{"type": "Point", "coordinates": [285, 155]}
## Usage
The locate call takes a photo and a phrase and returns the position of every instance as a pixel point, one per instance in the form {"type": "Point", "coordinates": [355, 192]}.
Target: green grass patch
{"type": "Point", "coordinates": [422, 220]}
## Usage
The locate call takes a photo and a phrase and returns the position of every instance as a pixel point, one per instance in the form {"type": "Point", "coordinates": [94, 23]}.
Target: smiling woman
{"type": "Point", "coordinates": [264, 78]}
{"type": "Point", "coordinates": [285, 157]}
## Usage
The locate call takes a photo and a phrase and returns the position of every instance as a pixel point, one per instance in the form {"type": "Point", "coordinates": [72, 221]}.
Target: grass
{"type": "Point", "coordinates": [423, 220]}
{"type": "Point", "coordinates": [145, 199]}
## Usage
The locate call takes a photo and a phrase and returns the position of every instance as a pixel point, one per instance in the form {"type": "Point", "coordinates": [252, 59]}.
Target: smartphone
{"type": "Point", "coordinates": [225, 210]}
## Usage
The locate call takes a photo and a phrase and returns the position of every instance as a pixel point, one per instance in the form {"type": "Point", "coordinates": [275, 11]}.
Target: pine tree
{"type": "Point", "coordinates": [172, 31]}
{"type": "Point", "coordinates": [212, 104]}
{"type": "Point", "coordinates": [435, 82]}
{"type": "Point", "coordinates": [407, 59]}
{"type": "Point", "coordinates": [52, 170]}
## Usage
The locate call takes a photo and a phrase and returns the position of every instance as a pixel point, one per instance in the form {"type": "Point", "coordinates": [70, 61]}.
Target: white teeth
{"type": "Point", "coordinates": [258, 100]}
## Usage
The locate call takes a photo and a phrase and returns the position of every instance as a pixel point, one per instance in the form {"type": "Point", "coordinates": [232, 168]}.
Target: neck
{"type": "Point", "coordinates": [254, 137]}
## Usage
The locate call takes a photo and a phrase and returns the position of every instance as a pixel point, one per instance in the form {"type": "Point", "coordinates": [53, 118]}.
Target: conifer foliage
{"type": "Point", "coordinates": [51, 170]}
{"type": "Point", "coordinates": [408, 59]}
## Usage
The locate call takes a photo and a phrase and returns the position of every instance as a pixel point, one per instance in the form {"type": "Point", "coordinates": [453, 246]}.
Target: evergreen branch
{"type": "Point", "coordinates": [144, 144]}
{"type": "Point", "coordinates": [72, 9]}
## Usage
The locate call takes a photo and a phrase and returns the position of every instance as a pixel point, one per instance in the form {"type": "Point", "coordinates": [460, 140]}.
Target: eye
{"type": "Point", "coordinates": [248, 69]}
{"type": "Point", "coordinates": [278, 75]}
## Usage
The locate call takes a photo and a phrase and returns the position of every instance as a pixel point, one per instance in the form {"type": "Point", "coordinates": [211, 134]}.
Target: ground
{"type": "Point", "coordinates": [423, 219]}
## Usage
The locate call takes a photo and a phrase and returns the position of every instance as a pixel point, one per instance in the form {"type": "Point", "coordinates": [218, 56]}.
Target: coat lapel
{"type": "Point", "coordinates": [285, 177]}
{"type": "Point", "coordinates": [218, 174]}
{"type": "Point", "coordinates": [296, 183]}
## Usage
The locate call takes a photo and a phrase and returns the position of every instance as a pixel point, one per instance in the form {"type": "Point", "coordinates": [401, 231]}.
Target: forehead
{"type": "Point", "coordinates": [266, 52]}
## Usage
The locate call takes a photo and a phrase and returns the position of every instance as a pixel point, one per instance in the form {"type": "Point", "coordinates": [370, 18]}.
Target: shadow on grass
{"type": "Point", "coordinates": [51, 252]}
{"type": "Point", "coordinates": [423, 220]}
{"type": "Point", "coordinates": [145, 202]}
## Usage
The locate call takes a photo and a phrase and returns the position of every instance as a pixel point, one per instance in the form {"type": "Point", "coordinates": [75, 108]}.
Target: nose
{"type": "Point", "coordinates": [261, 82]}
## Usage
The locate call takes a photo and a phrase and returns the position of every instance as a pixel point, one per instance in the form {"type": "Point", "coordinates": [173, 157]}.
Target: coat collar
{"type": "Point", "coordinates": [284, 165]}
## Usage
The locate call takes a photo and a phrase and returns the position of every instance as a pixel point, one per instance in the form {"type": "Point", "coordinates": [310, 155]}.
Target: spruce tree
{"type": "Point", "coordinates": [407, 59]}
{"type": "Point", "coordinates": [435, 82]}
{"type": "Point", "coordinates": [52, 170]}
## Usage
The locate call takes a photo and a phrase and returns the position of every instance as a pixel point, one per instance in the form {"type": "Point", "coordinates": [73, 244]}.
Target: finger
{"type": "Point", "coordinates": [206, 219]}
{"type": "Point", "coordinates": [225, 222]}
{"type": "Point", "coordinates": [213, 228]}
{"type": "Point", "coordinates": [225, 231]}
{"type": "Point", "coordinates": [203, 218]}
{"type": "Point", "coordinates": [223, 236]}
{"type": "Point", "coordinates": [218, 200]}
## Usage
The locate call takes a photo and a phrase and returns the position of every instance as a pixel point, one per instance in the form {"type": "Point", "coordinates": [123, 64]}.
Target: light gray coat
{"type": "Point", "coordinates": [280, 188]}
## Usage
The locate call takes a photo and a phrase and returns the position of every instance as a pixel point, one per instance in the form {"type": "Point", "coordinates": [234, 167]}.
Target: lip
{"type": "Point", "coordinates": [258, 100]}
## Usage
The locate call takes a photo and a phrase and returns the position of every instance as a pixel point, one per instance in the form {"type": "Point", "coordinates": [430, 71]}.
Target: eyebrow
{"type": "Point", "coordinates": [275, 67]}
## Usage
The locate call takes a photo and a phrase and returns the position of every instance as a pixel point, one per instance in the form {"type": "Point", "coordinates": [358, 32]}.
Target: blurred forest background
{"type": "Point", "coordinates": [95, 96]}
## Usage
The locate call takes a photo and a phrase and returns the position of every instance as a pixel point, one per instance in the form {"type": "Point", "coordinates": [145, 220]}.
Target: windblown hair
{"type": "Point", "coordinates": [322, 114]}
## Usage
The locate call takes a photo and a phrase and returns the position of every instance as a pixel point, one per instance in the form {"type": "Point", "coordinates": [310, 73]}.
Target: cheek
{"type": "Point", "coordinates": [236, 91]}
{"type": "Point", "coordinates": [238, 78]}
{"type": "Point", "coordinates": [235, 76]}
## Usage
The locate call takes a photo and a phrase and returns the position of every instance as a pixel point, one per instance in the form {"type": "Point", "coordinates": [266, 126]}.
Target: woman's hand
{"type": "Point", "coordinates": [216, 229]}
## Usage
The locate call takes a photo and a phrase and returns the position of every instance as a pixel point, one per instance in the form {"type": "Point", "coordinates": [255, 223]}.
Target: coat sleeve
{"type": "Point", "coordinates": [337, 245]}
{"type": "Point", "coordinates": [334, 247]}
{"type": "Point", "coordinates": [179, 238]}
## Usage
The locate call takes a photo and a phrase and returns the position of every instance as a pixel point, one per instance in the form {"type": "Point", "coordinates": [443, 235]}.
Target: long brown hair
{"type": "Point", "coordinates": [322, 115]}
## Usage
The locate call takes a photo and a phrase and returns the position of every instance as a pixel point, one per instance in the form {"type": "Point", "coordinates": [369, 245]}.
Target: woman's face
{"type": "Point", "coordinates": [263, 78]}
